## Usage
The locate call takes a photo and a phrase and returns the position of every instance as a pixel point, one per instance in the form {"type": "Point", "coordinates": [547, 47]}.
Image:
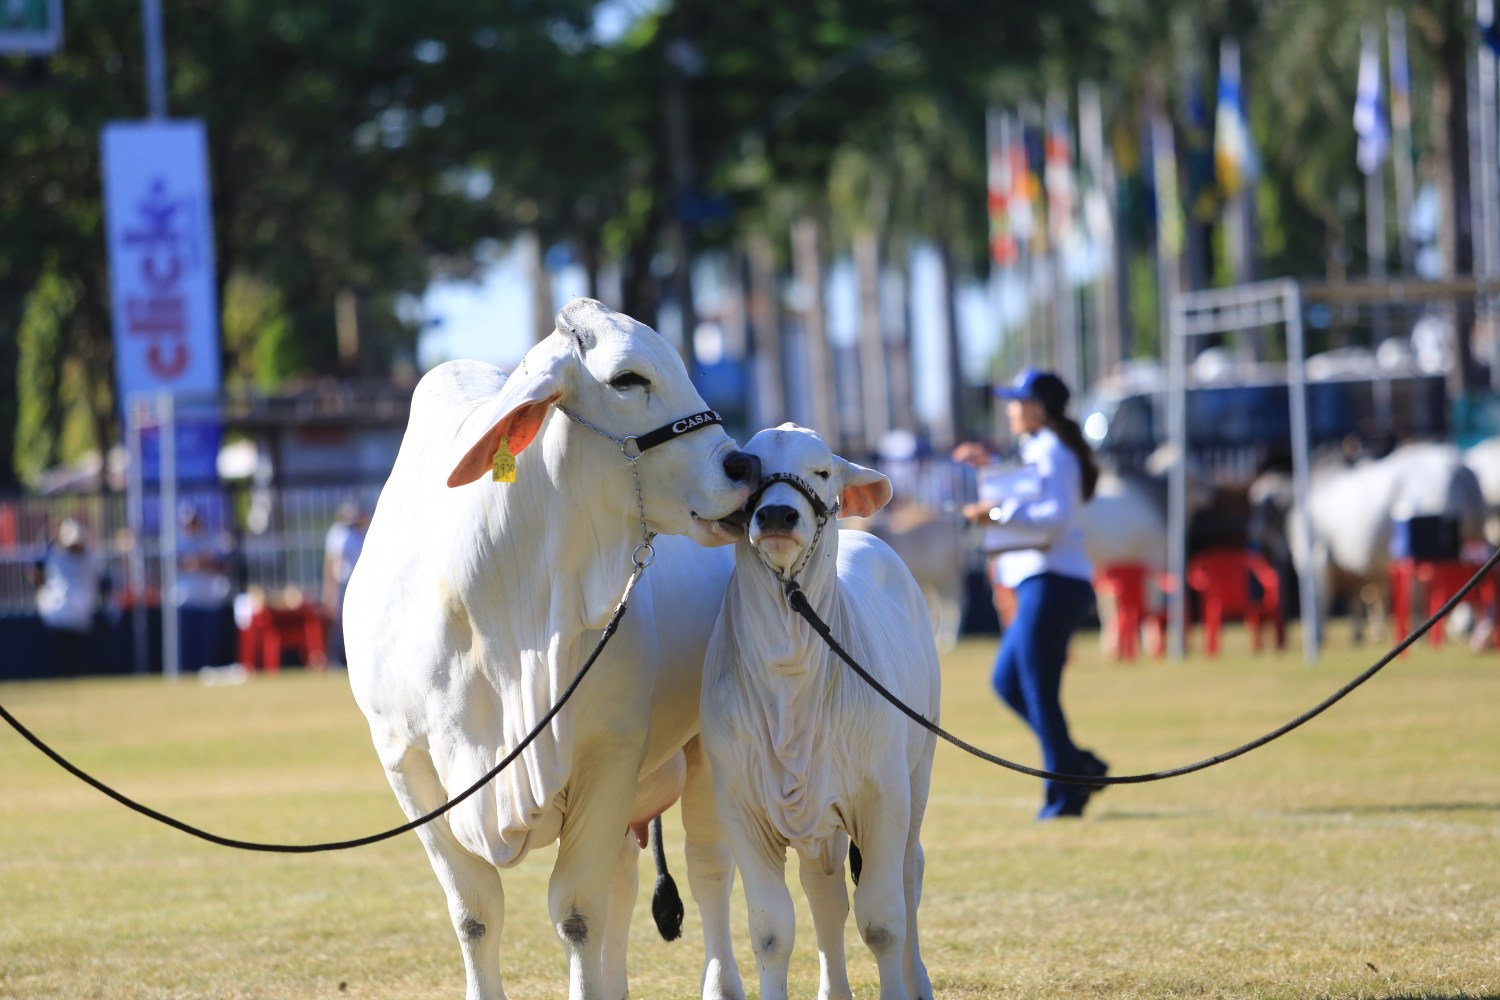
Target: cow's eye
{"type": "Point", "coordinates": [626, 380]}
{"type": "Point", "coordinates": [822, 473]}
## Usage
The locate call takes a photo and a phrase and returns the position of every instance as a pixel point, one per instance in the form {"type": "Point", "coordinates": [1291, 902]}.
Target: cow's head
{"type": "Point", "coordinates": [802, 484]}
{"type": "Point", "coordinates": [625, 379]}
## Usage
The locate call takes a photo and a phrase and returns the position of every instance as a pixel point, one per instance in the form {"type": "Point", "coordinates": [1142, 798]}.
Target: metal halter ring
{"type": "Point", "coordinates": [627, 445]}
{"type": "Point", "coordinates": [639, 561]}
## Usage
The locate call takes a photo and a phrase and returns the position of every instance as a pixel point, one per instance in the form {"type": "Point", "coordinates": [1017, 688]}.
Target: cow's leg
{"type": "Point", "coordinates": [476, 899]}
{"type": "Point", "coordinates": [599, 797]}
{"type": "Point", "coordinates": [710, 868]}
{"type": "Point", "coordinates": [762, 865]}
{"type": "Point", "coordinates": [623, 888]}
{"type": "Point", "coordinates": [880, 897]}
{"type": "Point", "coordinates": [828, 898]}
{"type": "Point", "coordinates": [918, 985]}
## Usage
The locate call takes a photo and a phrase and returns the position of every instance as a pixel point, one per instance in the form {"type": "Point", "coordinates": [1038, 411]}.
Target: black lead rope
{"type": "Point", "coordinates": [337, 845]}
{"type": "Point", "coordinates": [798, 602]}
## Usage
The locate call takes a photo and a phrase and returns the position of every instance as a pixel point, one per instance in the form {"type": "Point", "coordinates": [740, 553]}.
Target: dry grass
{"type": "Point", "coordinates": [1359, 857]}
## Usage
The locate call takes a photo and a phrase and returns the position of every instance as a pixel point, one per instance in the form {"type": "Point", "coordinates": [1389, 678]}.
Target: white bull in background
{"type": "Point", "coordinates": [932, 544]}
{"type": "Point", "coordinates": [472, 607]}
{"type": "Point", "coordinates": [1483, 459]}
{"type": "Point", "coordinates": [1352, 509]}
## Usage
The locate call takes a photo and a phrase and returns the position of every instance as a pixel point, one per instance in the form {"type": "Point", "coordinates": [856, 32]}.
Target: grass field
{"type": "Point", "coordinates": [1358, 857]}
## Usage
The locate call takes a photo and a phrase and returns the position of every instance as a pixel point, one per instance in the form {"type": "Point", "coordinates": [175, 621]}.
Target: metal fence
{"type": "Point", "coordinates": [274, 535]}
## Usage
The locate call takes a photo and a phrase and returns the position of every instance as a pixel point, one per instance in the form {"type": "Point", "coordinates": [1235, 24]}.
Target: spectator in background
{"type": "Point", "coordinates": [205, 617]}
{"type": "Point", "coordinates": [1049, 572]}
{"type": "Point", "coordinates": [70, 586]}
{"type": "Point", "coordinates": [341, 548]}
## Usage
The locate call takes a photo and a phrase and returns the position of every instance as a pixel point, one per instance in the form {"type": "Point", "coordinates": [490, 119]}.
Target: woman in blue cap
{"type": "Point", "coordinates": [1051, 578]}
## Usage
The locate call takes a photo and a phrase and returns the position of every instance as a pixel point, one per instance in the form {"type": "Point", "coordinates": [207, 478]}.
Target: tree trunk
{"type": "Point", "coordinates": [875, 404]}
{"type": "Point", "coordinates": [898, 353]}
{"type": "Point", "coordinates": [769, 406]}
{"type": "Point", "coordinates": [1450, 99]}
{"type": "Point", "coordinates": [807, 262]}
{"type": "Point", "coordinates": [957, 415]}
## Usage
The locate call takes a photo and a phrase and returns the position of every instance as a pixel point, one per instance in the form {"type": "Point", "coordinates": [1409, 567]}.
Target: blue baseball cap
{"type": "Point", "coordinates": [1040, 387]}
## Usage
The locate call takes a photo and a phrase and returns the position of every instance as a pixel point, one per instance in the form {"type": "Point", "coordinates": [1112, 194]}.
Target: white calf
{"type": "Point", "coordinates": [473, 607]}
{"type": "Point", "coordinates": [803, 752]}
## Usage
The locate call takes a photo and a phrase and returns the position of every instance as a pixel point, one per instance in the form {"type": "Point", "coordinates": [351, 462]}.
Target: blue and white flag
{"type": "Point", "coordinates": [1369, 110]}
{"type": "Point", "coordinates": [1235, 160]}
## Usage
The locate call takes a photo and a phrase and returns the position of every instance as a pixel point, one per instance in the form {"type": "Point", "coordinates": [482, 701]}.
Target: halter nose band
{"type": "Point", "coordinates": [820, 509]}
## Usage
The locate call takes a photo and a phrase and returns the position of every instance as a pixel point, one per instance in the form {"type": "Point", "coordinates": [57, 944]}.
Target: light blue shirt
{"type": "Point", "coordinates": [1054, 513]}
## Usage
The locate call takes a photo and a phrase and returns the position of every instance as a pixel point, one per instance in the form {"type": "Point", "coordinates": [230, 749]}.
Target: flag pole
{"type": "Point", "coordinates": [1401, 165]}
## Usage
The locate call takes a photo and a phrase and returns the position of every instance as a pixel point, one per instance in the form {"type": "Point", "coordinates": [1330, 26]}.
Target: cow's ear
{"type": "Point", "coordinates": [865, 490]}
{"type": "Point", "coordinates": [522, 406]}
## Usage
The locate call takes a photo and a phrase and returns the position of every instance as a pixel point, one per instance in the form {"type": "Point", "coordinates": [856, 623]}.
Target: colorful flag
{"type": "Point", "coordinates": [1018, 196]}
{"type": "Point", "coordinates": [1369, 113]}
{"type": "Point", "coordinates": [1034, 153]}
{"type": "Point", "coordinates": [1170, 230]}
{"type": "Point", "coordinates": [1002, 236]}
{"type": "Point", "coordinates": [1235, 162]}
{"type": "Point", "coordinates": [1058, 173]}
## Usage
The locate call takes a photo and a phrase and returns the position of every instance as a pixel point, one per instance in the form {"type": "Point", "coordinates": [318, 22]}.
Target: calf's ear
{"type": "Point", "coordinates": [521, 407]}
{"type": "Point", "coordinates": [865, 491]}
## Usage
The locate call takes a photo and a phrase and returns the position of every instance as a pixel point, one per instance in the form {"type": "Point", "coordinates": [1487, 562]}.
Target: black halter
{"type": "Point", "coordinates": [677, 428]}
{"type": "Point", "coordinates": [820, 509]}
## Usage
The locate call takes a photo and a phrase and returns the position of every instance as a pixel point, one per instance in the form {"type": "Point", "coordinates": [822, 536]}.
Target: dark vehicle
{"type": "Point", "coordinates": [1233, 428]}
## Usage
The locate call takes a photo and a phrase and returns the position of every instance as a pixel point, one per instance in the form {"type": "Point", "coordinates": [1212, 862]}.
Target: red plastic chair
{"type": "Point", "coordinates": [274, 629]}
{"type": "Point", "coordinates": [1222, 577]}
{"type": "Point", "coordinates": [1401, 572]}
{"type": "Point", "coordinates": [1126, 584]}
{"type": "Point", "coordinates": [1443, 578]}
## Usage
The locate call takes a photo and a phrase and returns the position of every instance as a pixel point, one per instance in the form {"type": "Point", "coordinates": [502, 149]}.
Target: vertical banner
{"type": "Point", "coordinates": [159, 224]}
{"type": "Point", "coordinates": [159, 227]}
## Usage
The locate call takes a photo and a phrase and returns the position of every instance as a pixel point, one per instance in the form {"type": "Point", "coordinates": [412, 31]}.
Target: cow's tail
{"type": "Point", "coordinates": [666, 902]}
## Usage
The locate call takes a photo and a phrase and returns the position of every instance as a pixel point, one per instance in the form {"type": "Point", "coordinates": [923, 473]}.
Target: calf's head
{"type": "Point", "coordinates": [803, 484]}
{"type": "Point", "coordinates": [626, 380]}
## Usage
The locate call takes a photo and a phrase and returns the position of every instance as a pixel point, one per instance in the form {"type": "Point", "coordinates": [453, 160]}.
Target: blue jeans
{"type": "Point", "coordinates": [1028, 669]}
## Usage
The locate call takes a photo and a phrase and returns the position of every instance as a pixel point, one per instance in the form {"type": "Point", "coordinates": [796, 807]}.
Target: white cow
{"type": "Point", "coordinates": [1483, 459]}
{"type": "Point", "coordinates": [474, 604]}
{"type": "Point", "coordinates": [805, 754]}
{"type": "Point", "coordinates": [1353, 509]}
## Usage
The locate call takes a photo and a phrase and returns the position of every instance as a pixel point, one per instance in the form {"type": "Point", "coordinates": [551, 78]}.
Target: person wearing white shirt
{"type": "Point", "coordinates": [1049, 571]}
{"type": "Point", "coordinates": [341, 548]}
{"type": "Point", "coordinates": [69, 580]}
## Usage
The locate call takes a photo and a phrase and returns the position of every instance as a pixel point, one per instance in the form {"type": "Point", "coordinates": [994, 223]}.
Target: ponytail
{"type": "Point", "coordinates": [1071, 435]}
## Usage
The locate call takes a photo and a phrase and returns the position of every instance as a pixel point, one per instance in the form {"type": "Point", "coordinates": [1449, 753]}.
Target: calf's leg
{"type": "Point", "coordinates": [710, 868]}
{"type": "Point", "coordinates": [828, 898]}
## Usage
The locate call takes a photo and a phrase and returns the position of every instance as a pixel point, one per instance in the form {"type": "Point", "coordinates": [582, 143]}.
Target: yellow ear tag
{"type": "Point", "coordinates": [505, 463]}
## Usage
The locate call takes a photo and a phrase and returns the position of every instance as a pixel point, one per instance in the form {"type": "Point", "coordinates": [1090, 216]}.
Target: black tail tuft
{"type": "Point", "coordinates": [666, 902]}
{"type": "Point", "coordinates": [856, 863]}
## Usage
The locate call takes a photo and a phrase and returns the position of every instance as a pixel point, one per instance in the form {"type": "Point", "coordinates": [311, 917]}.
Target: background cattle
{"type": "Point", "coordinates": [1353, 509]}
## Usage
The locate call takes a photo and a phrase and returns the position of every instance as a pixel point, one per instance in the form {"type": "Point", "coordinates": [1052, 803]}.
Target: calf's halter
{"type": "Point", "coordinates": [632, 447]}
{"type": "Point", "coordinates": [822, 511]}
